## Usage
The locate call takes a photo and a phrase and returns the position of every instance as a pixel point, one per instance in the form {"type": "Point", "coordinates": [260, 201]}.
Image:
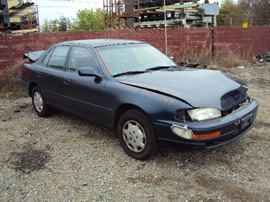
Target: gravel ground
{"type": "Point", "coordinates": [64, 158]}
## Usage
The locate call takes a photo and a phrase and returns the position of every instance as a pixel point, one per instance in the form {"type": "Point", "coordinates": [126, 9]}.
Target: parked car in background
{"type": "Point", "coordinates": [133, 88]}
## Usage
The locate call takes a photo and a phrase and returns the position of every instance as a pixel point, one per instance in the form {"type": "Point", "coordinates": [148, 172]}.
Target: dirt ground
{"type": "Point", "coordinates": [68, 159]}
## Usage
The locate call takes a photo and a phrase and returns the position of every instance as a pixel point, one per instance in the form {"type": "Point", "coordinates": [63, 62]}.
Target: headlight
{"type": "Point", "coordinates": [183, 132]}
{"type": "Point", "coordinates": [202, 114]}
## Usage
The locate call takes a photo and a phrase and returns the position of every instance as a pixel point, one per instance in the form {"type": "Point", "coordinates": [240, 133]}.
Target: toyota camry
{"type": "Point", "coordinates": [140, 93]}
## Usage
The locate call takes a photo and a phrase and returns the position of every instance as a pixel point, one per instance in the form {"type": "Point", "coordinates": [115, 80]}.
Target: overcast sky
{"type": "Point", "coordinates": [53, 9]}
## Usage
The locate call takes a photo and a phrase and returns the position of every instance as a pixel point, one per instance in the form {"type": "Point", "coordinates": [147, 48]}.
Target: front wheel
{"type": "Point", "coordinates": [39, 104]}
{"type": "Point", "coordinates": [136, 135]}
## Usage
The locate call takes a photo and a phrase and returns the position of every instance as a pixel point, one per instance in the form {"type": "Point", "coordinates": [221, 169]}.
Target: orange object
{"type": "Point", "coordinates": [206, 136]}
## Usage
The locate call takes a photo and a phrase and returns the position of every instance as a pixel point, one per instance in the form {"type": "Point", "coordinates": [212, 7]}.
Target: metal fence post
{"type": "Point", "coordinates": [212, 42]}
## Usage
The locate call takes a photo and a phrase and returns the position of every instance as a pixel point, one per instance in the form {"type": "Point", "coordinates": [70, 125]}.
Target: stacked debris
{"type": "Point", "coordinates": [262, 58]}
{"type": "Point", "coordinates": [155, 3]}
{"type": "Point", "coordinates": [4, 18]}
{"type": "Point", "coordinates": [152, 13]}
{"type": "Point", "coordinates": [18, 17]}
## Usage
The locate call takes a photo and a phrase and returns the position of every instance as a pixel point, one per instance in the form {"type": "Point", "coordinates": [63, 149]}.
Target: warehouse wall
{"type": "Point", "coordinates": [182, 43]}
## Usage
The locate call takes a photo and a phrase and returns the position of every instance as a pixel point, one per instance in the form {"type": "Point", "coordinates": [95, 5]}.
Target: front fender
{"type": "Point", "coordinates": [157, 106]}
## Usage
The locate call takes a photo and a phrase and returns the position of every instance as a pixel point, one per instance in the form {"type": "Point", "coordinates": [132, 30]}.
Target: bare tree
{"type": "Point", "coordinates": [255, 12]}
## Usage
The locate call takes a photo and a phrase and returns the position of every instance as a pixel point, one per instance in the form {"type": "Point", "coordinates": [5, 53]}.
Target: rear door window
{"type": "Point", "coordinates": [58, 58]}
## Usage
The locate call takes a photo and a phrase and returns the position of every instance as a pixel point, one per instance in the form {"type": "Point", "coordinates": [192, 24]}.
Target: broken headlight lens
{"type": "Point", "coordinates": [182, 115]}
{"type": "Point", "coordinates": [202, 114]}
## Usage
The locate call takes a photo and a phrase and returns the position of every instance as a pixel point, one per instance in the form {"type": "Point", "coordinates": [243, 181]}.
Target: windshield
{"type": "Point", "coordinates": [133, 57]}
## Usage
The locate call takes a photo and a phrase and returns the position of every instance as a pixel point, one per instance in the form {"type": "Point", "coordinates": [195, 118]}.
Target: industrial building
{"type": "Point", "coordinates": [119, 14]}
{"type": "Point", "coordinates": [18, 17]}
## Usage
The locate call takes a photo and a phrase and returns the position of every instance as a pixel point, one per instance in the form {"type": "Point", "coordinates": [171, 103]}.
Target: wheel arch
{"type": "Point", "coordinates": [122, 109]}
{"type": "Point", "coordinates": [31, 87]}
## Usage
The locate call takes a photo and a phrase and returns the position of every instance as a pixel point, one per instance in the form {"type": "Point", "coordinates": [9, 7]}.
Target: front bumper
{"type": "Point", "coordinates": [231, 126]}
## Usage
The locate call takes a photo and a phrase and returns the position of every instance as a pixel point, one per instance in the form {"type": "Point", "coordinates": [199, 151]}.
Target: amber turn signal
{"type": "Point", "coordinates": [206, 136]}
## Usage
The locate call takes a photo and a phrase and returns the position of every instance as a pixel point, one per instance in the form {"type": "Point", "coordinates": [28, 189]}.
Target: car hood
{"type": "Point", "coordinates": [199, 88]}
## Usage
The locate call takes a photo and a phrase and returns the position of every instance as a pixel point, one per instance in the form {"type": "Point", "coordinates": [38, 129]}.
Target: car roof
{"type": "Point", "coordinates": [96, 43]}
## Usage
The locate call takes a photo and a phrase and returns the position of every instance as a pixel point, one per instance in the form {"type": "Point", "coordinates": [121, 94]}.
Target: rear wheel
{"type": "Point", "coordinates": [39, 104]}
{"type": "Point", "coordinates": [136, 135]}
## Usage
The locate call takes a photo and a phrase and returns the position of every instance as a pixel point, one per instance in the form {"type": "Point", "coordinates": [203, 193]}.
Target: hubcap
{"type": "Point", "coordinates": [134, 136]}
{"type": "Point", "coordinates": [38, 101]}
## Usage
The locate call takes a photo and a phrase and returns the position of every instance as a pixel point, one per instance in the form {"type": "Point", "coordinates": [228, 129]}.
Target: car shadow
{"type": "Point", "coordinates": [184, 155]}
{"type": "Point", "coordinates": [94, 129]}
{"type": "Point", "coordinates": [190, 158]}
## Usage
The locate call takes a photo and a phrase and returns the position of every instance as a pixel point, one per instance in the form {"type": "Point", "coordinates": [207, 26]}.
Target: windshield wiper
{"type": "Point", "coordinates": [159, 68]}
{"type": "Point", "coordinates": [141, 72]}
{"type": "Point", "coordinates": [129, 73]}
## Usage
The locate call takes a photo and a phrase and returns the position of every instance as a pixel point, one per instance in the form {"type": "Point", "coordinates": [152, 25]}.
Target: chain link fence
{"type": "Point", "coordinates": [197, 45]}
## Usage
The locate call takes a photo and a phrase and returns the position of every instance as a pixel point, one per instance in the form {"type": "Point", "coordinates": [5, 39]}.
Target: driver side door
{"type": "Point", "coordinates": [84, 95]}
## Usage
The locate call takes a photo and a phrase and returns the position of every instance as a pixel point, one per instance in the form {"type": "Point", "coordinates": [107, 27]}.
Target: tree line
{"type": "Point", "coordinates": [254, 12]}
{"type": "Point", "coordinates": [86, 20]}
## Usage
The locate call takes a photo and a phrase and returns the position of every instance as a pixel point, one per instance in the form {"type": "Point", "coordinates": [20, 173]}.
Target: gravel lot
{"type": "Point", "coordinates": [68, 159]}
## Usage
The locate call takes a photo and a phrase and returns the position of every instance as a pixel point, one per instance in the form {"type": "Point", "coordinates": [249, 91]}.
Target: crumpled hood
{"type": "Point", "coordinates": [199, 88]}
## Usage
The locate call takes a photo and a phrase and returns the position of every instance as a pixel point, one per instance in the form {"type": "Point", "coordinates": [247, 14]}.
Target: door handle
{"type": "Point", "coordinates": [67, 82]}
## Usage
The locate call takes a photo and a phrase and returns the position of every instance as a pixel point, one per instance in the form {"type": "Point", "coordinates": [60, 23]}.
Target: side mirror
{"type": "Point", "coordinates": [89, 71]}
{"type": "Point", "coordinates": [171, 58]}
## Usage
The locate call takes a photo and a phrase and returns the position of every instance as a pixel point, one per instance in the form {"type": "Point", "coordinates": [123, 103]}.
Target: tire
{"type": "Point", "coordinates": [136, 135]}
{"type": "Point", "coordinates": [39, 103]}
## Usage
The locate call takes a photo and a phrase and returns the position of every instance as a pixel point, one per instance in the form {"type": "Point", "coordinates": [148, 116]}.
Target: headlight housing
{"type": "Point", "coordinates": [202, 114]}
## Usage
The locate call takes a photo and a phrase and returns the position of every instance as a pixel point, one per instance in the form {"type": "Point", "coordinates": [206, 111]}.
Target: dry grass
{"type": "Point", "coordinates": [10, 82]}
{"type": "Point", "coordinates": [231, 59]}
{"type": "Point", "coordinates": [224, 60]}
{"type": "Point", "coordinates": [182, 55]}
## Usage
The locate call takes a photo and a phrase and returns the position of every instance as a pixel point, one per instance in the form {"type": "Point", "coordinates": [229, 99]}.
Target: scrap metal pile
{"type": "Point", "coordinates": [151, 13]}
{"type": "Point", "coordinates": [18, 17]}
{"type": "Point", "coordinates": [262, 58]}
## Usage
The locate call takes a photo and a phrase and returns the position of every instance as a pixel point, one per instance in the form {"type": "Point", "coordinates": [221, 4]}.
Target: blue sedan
{"type": "Point", "coordinates": [140, 93]}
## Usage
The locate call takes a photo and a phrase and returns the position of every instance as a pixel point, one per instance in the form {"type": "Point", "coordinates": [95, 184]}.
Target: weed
{"type": "Point", "coordinates": [10, 81]}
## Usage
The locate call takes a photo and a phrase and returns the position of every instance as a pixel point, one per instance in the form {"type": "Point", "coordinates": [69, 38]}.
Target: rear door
{"type": "Point", "coordinates": [51, 75]}
{"type": "Point", "coordinates": [84, 95]}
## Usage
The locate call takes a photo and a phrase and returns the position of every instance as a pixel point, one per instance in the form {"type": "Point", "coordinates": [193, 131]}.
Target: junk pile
{"type": "Point", "coordinates": [262, 58]}
{"type": "Point", "coordinates": [120, 14]}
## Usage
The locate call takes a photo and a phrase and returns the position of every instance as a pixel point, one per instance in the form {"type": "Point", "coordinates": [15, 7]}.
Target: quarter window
{"type": "Point", "coordinates": [58, 57]}
{"type": "Point", "coordinates": [81, 57]}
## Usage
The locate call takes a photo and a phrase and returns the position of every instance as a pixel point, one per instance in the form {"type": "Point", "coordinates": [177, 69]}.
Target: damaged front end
{"type": "Point", "coordinates": [232, 99]}
{"type": "Point", "coordinates": [210, 133]}
{"type": "Point", "coordinates": [217, 109]}
{"type": "Point", "coordinates": [212, 127]}
{"type": "Point", "coordinates": [229, 126]}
